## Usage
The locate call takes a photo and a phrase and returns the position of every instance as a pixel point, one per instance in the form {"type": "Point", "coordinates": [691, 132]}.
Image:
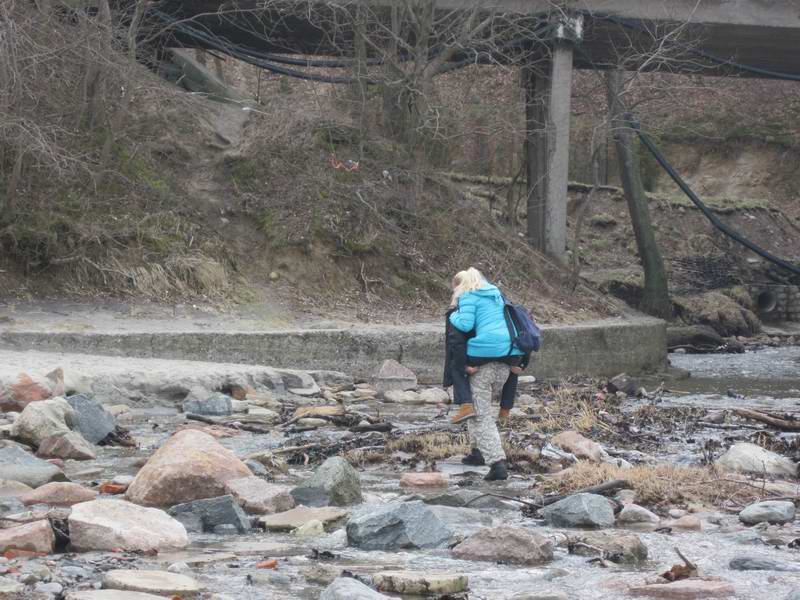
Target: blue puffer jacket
{"type": "Point", "coordinates": [483, 311]}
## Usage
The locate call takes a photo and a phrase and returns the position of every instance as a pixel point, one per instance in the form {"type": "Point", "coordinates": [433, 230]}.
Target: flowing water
{"type": "Point", "coordinates": [766, 378]}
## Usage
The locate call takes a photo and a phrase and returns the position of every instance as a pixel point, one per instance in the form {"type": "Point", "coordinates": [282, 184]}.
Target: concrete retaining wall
{"type": "Point", "coordinates": [600, 348]}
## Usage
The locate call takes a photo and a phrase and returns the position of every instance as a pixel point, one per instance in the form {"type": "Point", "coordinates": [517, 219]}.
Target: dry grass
{"type": "Point", "coordinates": [659, 486]}
{"type": "Point", "coordinates": [431, 445]}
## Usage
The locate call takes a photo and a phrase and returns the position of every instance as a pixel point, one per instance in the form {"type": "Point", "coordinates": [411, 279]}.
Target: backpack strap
{"type": "Point", "coordinates": [512, 332]}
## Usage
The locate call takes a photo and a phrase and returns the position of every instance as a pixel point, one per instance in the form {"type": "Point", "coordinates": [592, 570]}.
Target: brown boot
{"type": "Point", "coordinates": [464, 412]}
{"type": "Point", "coordinates": [504, 414]}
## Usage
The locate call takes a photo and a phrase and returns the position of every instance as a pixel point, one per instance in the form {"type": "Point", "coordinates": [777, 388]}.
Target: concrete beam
{"type": "Point", "coordinates": [601, 348]}
{"type": "Point", "coordinates": [548, 107]}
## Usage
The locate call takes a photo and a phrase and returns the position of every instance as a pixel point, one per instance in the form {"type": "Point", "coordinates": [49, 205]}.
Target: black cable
{"type": "Point", "coordinates": [715, 221]}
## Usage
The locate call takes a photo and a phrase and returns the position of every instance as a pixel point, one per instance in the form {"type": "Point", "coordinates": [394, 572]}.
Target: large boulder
{"type": "Point", "coordinates": [40, 420]}
{"type": "Point", "coordinates": [18, 465]}
{"type": "Point", "coordinates": [27, 388]}
{"type": "Point", "coordinates": [66, 445]}
{"type": "Point", "coordinates": [108, 525]}
{"type": "Point", "coordinates": [93, 421]}
{"type": "Point", "coordinates": [507, 545]}
{"type": "Point", "coordinates": [776, 512]}
{"type": "Point", "coordinates": [37, 536]}
{"type": "Point", "coordinates": [393, 376]}
{"type": "Point", "coordinates": [346, 588]}
{"type": "Point", "coordinates": [334, 483]}
{"type": "Point", "coordinates": [209, 513]}
{"type": "Point", "coordinates": [256, 496]}
{"type": "Point", "coordinates": [580, 510]}
{"type": "Point", "coordinates": [189, 466]}
{"type": "Point", "coordinates": [59, 493]}
{"type": "Point", "coordinates": [745, 457]}
{"type": "Point", "coordinates": [412, 525]}
{"type": "Point", "coordinates": [581, 447]}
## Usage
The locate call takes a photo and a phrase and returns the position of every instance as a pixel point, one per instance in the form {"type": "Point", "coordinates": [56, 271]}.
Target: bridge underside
{"type": "Point", "coordinates": [713, 35]}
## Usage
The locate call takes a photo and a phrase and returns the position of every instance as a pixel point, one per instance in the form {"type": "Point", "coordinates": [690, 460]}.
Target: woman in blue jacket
{"type": "Point", "coordinates": [490, 358]}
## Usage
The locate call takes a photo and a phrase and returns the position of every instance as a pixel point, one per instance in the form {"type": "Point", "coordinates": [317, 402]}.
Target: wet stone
{"type": "Point", "coordinates": [292, 519]}
{"type": "Point", "coordinates": [215, 404]}
{"type": "Point", "coordinates": [686, 589]}
{"type": "Point", "coordinates": [620, 547]}
{"type": "Point", "coordinates": [637, 515]}
{"type": "Point", "coordinates": [746, 563]}
{"type": "Point", "coordinates": [59, 494]}
{"type": "Point", "coordinates": [771, 511]}
{"type": "Point", "coordinates": [464, 498]}
{"type": "Point", "coordinates": [334, 483]}
{"type": "Point", "coordinates": [18, 465]}
{"type": "Point", "coordinates": [40, 420]}
{"type": "Point", "coordinates": [37, 536]}
{"type": "Point", "coordinates": [257, 496]}
{"type": "Point", "coordinates": [68, 445]}
{"type": "Point", "coordinates": [580, 510]}
{"type": "Point", "coordinates": [513, 545]}
{"type": "Point", "coordinates": [9, 587]}
{"type": "Point", "coordinates": [425, 480]}
{"type": "Point", "coordinates": [415, 582]}
{"type": "Point", "coordinates": [210, 514]}
{"type": "Point", "coordinates": [93, 421]}
{"type": "Point", "coordinates": [110, 595]}
{"type": "Point", "coordinates": [151, 582]}
{"type": "Point", "coordinates": [345, 588]}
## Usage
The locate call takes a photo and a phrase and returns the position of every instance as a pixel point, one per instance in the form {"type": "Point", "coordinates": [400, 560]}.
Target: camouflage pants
{"type": "Point", "coordinates": [487, 385]}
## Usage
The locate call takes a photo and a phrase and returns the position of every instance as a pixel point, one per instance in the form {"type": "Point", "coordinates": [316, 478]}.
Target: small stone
{"type": "Point", "coordinates": [214, 404]}
{"type": "Point", "coordinates": [747, 563]}
{"type": "Point", "coordinates": [512, 545]}
{"type": "Point", "coordinates": [151, 582]}
{"type": "Point", "coordinates": [110, 595]}
{"type": "Point", "coordinates": [179, 567]}
{"type": "Point", "coordinates": [677, 513]}
{"type": "Point", "coordinates": [580, 510]}
{"type": "Point", "coordinates": [623, 383]}
{"type": "Point", "coordinates": [394, 376]}
{"type": "Point", "coordinates": [623, 548]}
{"type": "Point", "coordinates": [637, 515]}
{"type": "Point", "coordinates": [334, 483]}
{"type": "Point", "coordinates": [346, 588]}
{"type": "Point", "coordinates": [425, 480]}
{"type": "Point", "coordinates": [313, 528]}
{"type": "Point", "coordinates": [417, 583]}
{"type": "Point", "coordinates": [581, 447]}
{"type": "Point", "coordinates": [686, 589]}
{"type": "Point", "coordinates": [751, 458]}
{"type": "Point", "coordinates": [92, 421]}
{"type": "Point", "coordinates": [625, 497]}
{"type": "Point", "coordinates": [124, 480]}
{"type": "Point", "coordinates": [775, 512]}
{"type": "Point", "coordinates": [37, 536]}
{"type": "Point", "coordinates": [209, 514]}
{"type": "Point", "coordinates": [402, 397]}
{"type": "Point", "coordinates": [59, 493]}
{"type": "Point", "coordinates": [687, 523]}
{"type": "Point", "coordinates": [434, 396]}
{"type": "Point", "coordinates": [292, 519]}
{"type": "Point", "coordinates": [311, 422]}
{"type": "Point", "coordinates": [53, 587]}
{"type": "Point", "coordinates": [9, 588]}
{"type": "Point", "coordinates": [259, 497]}
{"type": "Point", "coordinates": [69, 445]}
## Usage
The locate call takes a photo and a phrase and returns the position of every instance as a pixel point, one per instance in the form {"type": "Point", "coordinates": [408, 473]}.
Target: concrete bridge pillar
{"type": "Point", "coordinates": [548, 94]}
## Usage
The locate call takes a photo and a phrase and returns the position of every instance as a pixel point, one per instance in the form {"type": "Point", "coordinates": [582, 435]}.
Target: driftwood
{"type": "Point", "coordinates": [234, 424]}
{"type": "Point", "coordinates": [603, 488]}
{"type": "Point", "coordinates": [754, 415]}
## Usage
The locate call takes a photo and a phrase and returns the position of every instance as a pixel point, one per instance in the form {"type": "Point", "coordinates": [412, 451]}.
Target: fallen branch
{"type": "Point", "coordinates": [231, 424]}
{"type": "Point", "coordinates": [754, 415]}
{"type": "Point", "coordinates": [603, 488]}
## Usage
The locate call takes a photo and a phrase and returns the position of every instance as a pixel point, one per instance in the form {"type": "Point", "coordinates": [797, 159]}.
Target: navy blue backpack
{"type": "Point", "coordinates": [525, 334]}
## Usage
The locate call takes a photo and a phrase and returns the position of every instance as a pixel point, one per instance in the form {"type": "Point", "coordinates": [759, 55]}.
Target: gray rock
{"type": "Point", "coordinates": [394, 376]}
{"type": "Point", "coordinates": [334, 483]}
{"type": "Point", "coordinates": [751, 458]}
{"type": "Point", "coordinates": [215, 405]}
{"type": "Point", "coordinates": [92, 420]}
{"type": "Point", "coordinates": [617, 546]}
{"type": "Point", "coordinates": [513, 545]}
{"type": "Point", "coordinates": [462, 498]}
{"type": "Point", "coordinates": [412, 525]}
{"type": "Point", "coordinates": [41, 419]}
{"type": "Point", "coordinates": [210, 513]}
{"type": "Point", "coordinates": [623, 383]}
{"type": "Point", "coordinates": [634, 514]}
{"type": "Point", "coordinates": [747, 563]}
{"type": "Point", "coordinates": [346, 588]}
{"type": "Point", "coordinates": [257, 468]}
{"type": "Point", "coordinates": [580, 510]}
{"type": "Point", "coordinates": [53, 587]}
{"type": "Point", "coordinates": [776, 512]}
{"type": "Point", "coordinates": [18, 465]}
{"type": "Point", "coordinates": [10, 506]}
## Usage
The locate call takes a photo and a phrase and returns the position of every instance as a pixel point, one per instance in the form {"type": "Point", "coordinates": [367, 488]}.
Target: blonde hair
{"type": "Point", "coordinates": [466, 281]}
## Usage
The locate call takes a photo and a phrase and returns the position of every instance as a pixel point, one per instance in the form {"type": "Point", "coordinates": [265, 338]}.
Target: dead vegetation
{"type": "Point", "coordinates": [659, 486]}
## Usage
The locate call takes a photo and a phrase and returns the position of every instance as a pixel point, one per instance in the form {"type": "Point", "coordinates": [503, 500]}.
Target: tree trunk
{"type": "Point", "coordinates": [655, 299]}
{"type": "Point", "coordinates": [359, 88]}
